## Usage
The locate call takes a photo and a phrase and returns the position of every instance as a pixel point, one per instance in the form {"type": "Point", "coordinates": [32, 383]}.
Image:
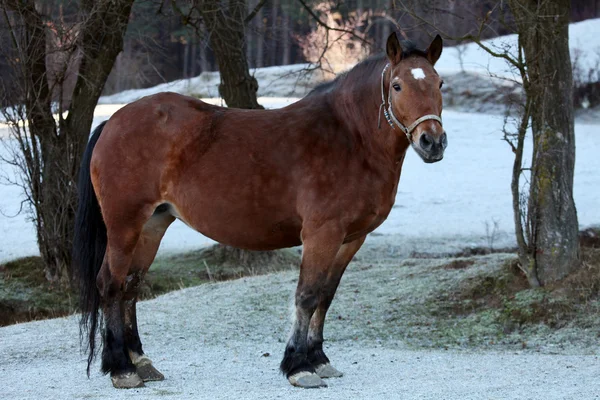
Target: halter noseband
{"type": "Point", "coordinates": [389, 113]}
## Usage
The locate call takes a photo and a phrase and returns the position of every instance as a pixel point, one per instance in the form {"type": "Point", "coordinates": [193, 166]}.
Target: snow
{"type": "Point", "coordinates": [584, 43]}
{"type": "Point", "coordinates": [279, 81]}
{"type": "Point", "coordinates": [454, 198]}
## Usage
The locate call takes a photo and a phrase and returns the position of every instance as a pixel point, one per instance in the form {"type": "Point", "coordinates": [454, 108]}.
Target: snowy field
{"type": "Point", "coordinates": [450, 201]}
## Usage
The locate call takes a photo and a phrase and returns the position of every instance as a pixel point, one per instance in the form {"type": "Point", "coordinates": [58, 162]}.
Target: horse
{"type": "Point", "coordinates": [322, 173]}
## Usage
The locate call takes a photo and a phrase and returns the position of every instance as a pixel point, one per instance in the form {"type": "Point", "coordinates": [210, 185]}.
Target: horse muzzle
{"type": "Point", "coordinates": [431, 147]}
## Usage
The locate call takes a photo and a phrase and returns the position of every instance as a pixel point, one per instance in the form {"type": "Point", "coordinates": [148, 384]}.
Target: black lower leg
{"type": "Point", "coordinates": [115, 358]}
{"type": "Point", "coordinates": [295, 358]}
{"type": "Point", "coordinates": [132, 336]}
{"type": "Point", "coordinates": [316, 355]}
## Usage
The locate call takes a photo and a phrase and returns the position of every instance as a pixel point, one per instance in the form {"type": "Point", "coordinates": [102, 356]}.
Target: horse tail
{"type": "Point", "coordinates": [89, 246]}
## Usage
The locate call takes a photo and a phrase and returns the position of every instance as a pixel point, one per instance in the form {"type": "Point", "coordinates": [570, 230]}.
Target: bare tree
{"type": "Point", "coordinates": [543, 27]}
{"type": "Point", "coordinates": [44, 52]}
{"type": "Point", "coordinates": [226, 26]}
{"type": "Point", "coordinates": [224, 22]}
{"type": "Point", "coordinates": [545, 218]}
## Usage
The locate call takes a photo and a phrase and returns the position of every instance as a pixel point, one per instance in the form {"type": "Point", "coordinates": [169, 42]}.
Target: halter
{"type": "Point", "coordinates": [389, 113]}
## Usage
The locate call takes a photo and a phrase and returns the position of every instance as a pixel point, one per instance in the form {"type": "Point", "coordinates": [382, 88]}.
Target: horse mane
{"type": "Point", "coordinates": [365, 68]}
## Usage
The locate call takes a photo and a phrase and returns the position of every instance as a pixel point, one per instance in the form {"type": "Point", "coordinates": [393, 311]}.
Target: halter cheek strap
{"type": "Point", "coordinates": [389, 113]}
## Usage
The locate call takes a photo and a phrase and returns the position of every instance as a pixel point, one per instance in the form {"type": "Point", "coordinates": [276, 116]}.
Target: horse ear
{"type": "Point", "coordinates": [434, 51]}
{"type": "Point", "coordinates": [393, 49]}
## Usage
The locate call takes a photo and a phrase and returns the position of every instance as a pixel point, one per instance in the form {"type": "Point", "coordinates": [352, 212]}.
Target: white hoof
{"type": "Point", "coordinates": [327, 371]}
{"type": "Point", "coordinates": [307, 380]}
{"type": "Point", "coordinates": [144, 368]}
{"type": "Point", "coordinates": [128, 380]}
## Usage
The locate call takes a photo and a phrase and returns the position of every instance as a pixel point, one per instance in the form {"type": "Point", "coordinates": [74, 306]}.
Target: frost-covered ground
{"type": "Point", "coordinates": [225, 341]}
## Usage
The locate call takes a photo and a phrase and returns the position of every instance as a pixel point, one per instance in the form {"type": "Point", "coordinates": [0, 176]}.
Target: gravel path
{"type": "Point", "coordinates": [225, 340]}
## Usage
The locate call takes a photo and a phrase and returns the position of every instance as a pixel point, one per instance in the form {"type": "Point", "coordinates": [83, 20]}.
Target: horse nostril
{"type": "Point", "coordinates": [444, 140]}
{"type": "Point", "coordinates": [426, 142]}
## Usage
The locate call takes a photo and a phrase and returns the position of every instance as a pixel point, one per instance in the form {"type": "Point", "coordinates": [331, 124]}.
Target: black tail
{"type": "Point", "coordinates": [89, 246]}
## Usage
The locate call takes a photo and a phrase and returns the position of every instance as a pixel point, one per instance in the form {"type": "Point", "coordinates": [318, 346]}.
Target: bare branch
{"type": "Point", "coordinates": [260, 5]}
{"type": "Point", "coordinates": [330, 28]}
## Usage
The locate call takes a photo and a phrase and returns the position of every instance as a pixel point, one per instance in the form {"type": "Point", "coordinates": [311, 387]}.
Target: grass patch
{"type": "Point", "coordinates": [502, 300]}
{"type": "Point", "coordinates": [458, 264]}
{"type": "Point", "coordinates": [216, 263]}
{"type": "Point", "coordinates": [466, 252]}
{"type": "Point", "coordinates": [26, 295]}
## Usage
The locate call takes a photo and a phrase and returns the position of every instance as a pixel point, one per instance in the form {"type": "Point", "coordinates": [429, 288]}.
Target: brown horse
{"type": "Point", "coordinates": [322, 173]}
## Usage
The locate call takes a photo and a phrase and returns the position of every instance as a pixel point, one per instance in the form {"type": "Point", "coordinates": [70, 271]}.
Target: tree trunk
{"type": "Point", "coordinates": [204, 62]}
{"type": "Point", "coordinates": [287, 43]}
{"type": "Point", "coordinates": [194, 57]}
{"type": "Point", "coordinates": [43, 184]}
{"type": "Point", "coordinates": [543, 31]}
{"type": "Point", "coordinates": [274, 32]}
{"type": "Point", "coordinates": [226, 26]}
{"type": "Point", "coordinates": [53, 158]}
{"type": "Point", "coordinates": [260, 39]}
{"type": "Point", "coordinates": [250, 36]}
{"type": "Point", "coordinates": [101, 42]}
{"type": "Point", "coordinates": [186, 59]}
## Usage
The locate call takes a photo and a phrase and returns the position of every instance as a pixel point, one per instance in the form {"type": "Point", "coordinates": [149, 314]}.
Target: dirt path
{"type": "Point", "coordinates": [50, 368]}
{"type": "Point", "coordinates": [225, 340]}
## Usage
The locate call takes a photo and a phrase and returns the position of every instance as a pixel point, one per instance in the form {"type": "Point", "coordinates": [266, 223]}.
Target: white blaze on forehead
{"type": "Point", "coordinates": [418, 73]}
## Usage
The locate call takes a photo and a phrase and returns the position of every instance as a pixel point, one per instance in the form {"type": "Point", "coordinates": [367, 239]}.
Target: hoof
{"type": "Point", "coordinates": [327, 371]}
{"type": "Point", "coordinates": [145, 369]}
{"type": "Point", "coordinates": [148, 373]}
{"type": "Point", "coordinates": [307, 380]}
{"type": "Point", "coordinates": [128, 380]}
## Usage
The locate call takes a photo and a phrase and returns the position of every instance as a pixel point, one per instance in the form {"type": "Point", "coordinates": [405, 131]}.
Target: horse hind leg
{"type": "Point", "coordinates": [143, 365]}
{"type": "Point", "coordinates": [124, 235]}
{"type": "Point", "coordinates": [145, 253]}
{"type": "Point", "coordinates": [316, 355]}
{"type": "Point", "coordinates": [115, 359]}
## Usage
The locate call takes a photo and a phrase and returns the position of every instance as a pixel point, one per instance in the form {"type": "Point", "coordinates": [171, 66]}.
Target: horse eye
{"type": "Point", "coordinates": [441, 84]}
{"type": "Point", "coordinates": [396, 87]}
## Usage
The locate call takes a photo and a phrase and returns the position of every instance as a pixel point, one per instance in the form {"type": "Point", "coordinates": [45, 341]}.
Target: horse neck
{"type": "Point", "coordinates": [356, 103]}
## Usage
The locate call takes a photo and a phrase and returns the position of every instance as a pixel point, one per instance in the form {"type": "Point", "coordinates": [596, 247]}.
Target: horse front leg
{"type": "Point", "coordinates": [316, 355]}
{"type": "Point", "coordinates": [320, 246]}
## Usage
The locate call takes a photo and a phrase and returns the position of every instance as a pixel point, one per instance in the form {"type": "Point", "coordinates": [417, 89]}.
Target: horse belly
{"type": "Point", "coordinates": [252, 235]}
{"type": "Point", "coordinates": [247, 229]}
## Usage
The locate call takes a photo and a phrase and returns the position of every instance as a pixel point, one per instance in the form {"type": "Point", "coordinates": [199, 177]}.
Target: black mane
{"type": "Point", "coordinates": [367, 67]}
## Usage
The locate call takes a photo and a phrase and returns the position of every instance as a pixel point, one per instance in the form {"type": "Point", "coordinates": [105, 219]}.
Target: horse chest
{"type": "Point", "coordinates": [372, 210]}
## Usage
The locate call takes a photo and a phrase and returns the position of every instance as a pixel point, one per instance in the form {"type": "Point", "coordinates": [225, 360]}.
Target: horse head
{"type": "Point", "coordinates": [414, 98]}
